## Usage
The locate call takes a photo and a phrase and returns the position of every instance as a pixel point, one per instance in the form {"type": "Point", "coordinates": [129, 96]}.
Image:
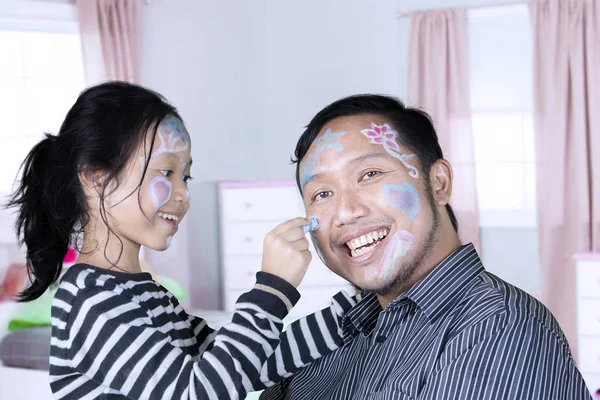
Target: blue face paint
{"type": "Point", "coordinates": [404, 198]}
{"type": "Point", "coordinates": [317, 249]}
{"type": "Point", "coordinates": [329, 140]}
{"type": "Point", "coordinates": [314, 224]}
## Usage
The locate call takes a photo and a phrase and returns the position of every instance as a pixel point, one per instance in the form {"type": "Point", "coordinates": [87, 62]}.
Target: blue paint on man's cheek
{"type": "Point", "coordinates": [404, 198]}
{"type": "Point", "coordinates": [317, 249]}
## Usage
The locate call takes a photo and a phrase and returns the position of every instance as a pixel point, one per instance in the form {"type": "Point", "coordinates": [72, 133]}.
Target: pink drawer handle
{"type": "Point", "coordinates": [248, 239]}
{"type": "Point", "coordinates": [248, 205]}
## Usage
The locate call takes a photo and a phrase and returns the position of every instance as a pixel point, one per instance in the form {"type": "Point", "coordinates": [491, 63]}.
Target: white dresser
{"type": "Point", "coordinates": [588, 318]}
{"type": "Point", "coordinates": [248, 211]}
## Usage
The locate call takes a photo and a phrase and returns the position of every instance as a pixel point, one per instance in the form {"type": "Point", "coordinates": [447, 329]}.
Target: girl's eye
{"type": "Point", "coordinates": [321, 195]}
{"type": "Point", "coordinates": [370, 175]}
{"type": "Point", "coordinates": [187, 178]}
{"type": "Point", "coordinates": [166, 172]}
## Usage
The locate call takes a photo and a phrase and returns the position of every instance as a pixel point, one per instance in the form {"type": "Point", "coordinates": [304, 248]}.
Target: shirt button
{"type": "Point", "coordinates": [380, 339]}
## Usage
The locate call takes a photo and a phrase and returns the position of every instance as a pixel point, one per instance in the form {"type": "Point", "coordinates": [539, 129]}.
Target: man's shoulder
{"type": "Point", "coordinates": [493, 299]}
{"type": "Point", "coordinates": [520, 306]}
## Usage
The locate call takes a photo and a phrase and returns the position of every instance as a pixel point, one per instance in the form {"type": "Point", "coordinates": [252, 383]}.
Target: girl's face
{"type": "Point", "coordinates": [164, 198]}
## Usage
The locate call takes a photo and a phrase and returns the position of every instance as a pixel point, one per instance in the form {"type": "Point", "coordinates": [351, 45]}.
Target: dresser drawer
{"type": "Point", "coordinates": [311, 300]}
{"type": "Point", "coordinates": [239, 273]}
{"type": "Point", "coordinates": [593, 385]}
{"type": "Point", "coordinates": [257, 204]}
{"type": "Point", "coordinates": [588, 278]}
{"type": "Point", "coordinates": [588, 316]}
{"type": "Point", "coordinates": [245, 239]}
{"type": "Point", "coordinates": [589, 355]}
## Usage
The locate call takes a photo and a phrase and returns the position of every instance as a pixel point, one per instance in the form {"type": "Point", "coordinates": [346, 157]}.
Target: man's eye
{"type": "Point", "coordinates": [370, 175]}
{"type": "Point", "coordinates": [321, 195]}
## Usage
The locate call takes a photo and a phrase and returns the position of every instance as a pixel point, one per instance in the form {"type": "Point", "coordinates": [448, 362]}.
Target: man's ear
{"type": "Point", "coordinates": [441, 177]}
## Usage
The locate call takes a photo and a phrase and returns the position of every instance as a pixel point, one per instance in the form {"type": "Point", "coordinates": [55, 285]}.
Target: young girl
{"type": "Point", "coordinates": [113, 179]}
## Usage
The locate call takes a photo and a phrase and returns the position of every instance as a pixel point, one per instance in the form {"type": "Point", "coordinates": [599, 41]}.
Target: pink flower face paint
{"type": "Point", "coordinates": [329, 140]}
{"type": "Point", "coordinates": [387, 137]}
{"type": "Point", "coordinates": [397, 248]}
{"type": "Point", "coordinates": [160, 191]}
{"type": "Point", "coordinates": [403, 198]}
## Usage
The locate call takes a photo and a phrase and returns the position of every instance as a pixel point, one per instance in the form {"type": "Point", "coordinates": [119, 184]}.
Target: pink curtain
{"type": "Point", "coordinates": [110, 34]}
{"type": "Point", "coordinates": [438, 84]}
{"type": "Point", "coordinates": [567, 127]}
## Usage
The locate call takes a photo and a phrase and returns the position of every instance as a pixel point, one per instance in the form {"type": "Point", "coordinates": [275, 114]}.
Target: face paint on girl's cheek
{"type": "Point", "coordinates": [388, 138]}
{"type": "Point", "coordinates": [160, 191]}
{"type": "Point", "coordinates": [397, 248]}
{"type": "Point", "coordinates": [329, 140]}
{"type": "Point", "coordinates": [403, 198]}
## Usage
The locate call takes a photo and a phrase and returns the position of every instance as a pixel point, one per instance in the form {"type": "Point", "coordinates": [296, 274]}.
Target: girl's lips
{"type": "Point", "coordinates": [171, 225]}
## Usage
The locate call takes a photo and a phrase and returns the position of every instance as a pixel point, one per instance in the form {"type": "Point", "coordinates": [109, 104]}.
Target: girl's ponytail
{"type": "Point", "coordinates": [47, 213]}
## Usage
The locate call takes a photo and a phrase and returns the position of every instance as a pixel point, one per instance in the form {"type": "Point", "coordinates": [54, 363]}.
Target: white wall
{"type": "Point", "coordinates": [207, 58]}
{"type": "Point", "coordinates": [318, 52]}
{"type": "Point", "coordinates": [248, 76]}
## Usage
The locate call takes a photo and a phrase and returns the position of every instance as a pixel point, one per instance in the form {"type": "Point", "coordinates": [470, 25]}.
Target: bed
{"type": "Point", "coordinates": [27, 383]}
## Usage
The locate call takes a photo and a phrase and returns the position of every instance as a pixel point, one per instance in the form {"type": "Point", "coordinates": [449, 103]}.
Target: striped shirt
{"type": "Point", "coordinates": [459, 333]}
{"type": "Point", "coordinates": [118, 335]}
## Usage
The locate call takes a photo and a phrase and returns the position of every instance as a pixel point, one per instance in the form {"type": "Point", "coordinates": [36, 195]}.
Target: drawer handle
{"type": "Point", "coordinates": [248, 205]}
{"type": "Point", "coordinates": [248, 239]}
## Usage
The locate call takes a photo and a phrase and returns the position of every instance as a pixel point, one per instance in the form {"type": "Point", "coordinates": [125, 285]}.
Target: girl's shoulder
{"type": "Point", "coordinates": [81, 278]}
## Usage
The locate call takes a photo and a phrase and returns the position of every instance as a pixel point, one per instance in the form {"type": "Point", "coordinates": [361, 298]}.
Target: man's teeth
{"type": "Point", "coordinates": [168, 216]}
{"type": "Point", "coordinates": [356, 245]}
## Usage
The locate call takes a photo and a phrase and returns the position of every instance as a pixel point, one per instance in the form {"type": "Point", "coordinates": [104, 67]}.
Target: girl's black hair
{"type": "Point", "coordinates": [101, 132]}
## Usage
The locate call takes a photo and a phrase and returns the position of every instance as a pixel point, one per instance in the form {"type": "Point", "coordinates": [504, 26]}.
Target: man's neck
{"type": "Point", "coordinates": [448, 243]}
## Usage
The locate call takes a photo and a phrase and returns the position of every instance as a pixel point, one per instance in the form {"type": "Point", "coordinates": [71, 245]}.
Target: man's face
{"type": "Point", "coordinates": [377, 215]}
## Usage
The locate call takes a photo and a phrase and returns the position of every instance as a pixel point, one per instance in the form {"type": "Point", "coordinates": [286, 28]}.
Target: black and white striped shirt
{"type": "Point", "coordinates": [459, 333]}
{"type": "Point", "coordinates": [118, 335]}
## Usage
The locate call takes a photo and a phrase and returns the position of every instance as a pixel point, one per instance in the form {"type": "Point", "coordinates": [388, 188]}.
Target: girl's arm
{"type": "Point", "coordinates": [111, 341]}
{"type": "Point", "coordinates": [304, 341]}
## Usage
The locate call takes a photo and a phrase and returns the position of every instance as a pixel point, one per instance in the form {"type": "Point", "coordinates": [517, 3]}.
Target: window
{"type": "Point", "coordinates": [501, 105]}
{"type": "Point", "coordinates": [41, 75]}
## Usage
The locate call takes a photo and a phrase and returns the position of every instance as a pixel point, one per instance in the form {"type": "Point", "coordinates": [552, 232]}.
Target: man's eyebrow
{"type": "Point", "coordinates": [310, 179]}
{"type": "Point", "coordinates": [367, 156]}
{"type": "Point", "coordinates": [357, 160]}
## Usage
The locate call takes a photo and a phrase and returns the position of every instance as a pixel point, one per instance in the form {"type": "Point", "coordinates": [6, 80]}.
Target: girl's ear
{"type": "Point", "coordinates": [91, 182]}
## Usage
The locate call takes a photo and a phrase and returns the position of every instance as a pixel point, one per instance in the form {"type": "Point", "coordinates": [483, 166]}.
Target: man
{"type": "Point", "coordinates": [432, 323]}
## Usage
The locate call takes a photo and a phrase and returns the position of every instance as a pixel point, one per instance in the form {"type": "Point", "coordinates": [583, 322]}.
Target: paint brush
{"type": "Point", "coordinates": [314, 224]}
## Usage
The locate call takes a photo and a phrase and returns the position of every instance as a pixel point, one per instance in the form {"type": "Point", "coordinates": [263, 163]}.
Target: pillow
{"type": "Point", "coordinates": [38, 312]}
{"type": "Point", "coordinates": [35, 313]}
{"type": "Point", "coordinates": [27, 348]}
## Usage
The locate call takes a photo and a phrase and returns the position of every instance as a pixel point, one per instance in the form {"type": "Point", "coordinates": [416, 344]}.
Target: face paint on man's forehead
{"type": "Point", "coordinates": [385, 136]}
{"type": "Point", "coordinates": [329, 140]}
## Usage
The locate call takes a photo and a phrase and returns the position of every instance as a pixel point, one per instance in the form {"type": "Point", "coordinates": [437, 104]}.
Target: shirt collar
{"type": "Point", "coordinates": [437, 292]}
